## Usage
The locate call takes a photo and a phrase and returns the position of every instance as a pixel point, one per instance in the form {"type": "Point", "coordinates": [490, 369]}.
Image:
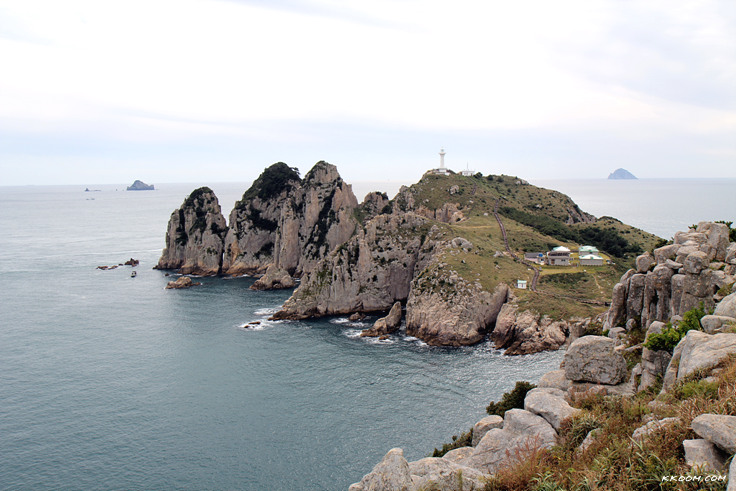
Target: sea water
{"type": "Point", "coordinates": [111, 381]}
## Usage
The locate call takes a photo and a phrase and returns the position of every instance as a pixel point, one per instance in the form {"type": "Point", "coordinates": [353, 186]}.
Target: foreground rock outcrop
{"type": "Point", "coordinates": [195, 236]}
{"type": "Point", "coordinates": [681, 276]}
{"type": "Point", "coordinates": [594, 359]}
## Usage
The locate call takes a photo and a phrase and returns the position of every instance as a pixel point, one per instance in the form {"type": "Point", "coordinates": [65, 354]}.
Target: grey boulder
{"type": "Point", "coordinates": [702, 454]}
{"type": "Point", "coordinates": [549, 404]}
{"type": "Point", "coordinates": [392, 473]}
{"type": "Point", "coordinates": [484, 426]}
{"type": "Point", "coordinates": [717, 429]}
{"type": "Point", "coordinates": [594, 359]}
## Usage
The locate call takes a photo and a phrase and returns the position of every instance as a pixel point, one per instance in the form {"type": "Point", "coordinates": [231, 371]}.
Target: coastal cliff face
{"type": "Point", "coordinates": [677, 278]}
{"type": "Point", "coordinates": [289, 222]}
{"type": "Point", "coordinates": [399, 258]}
{"type": "Point", "coordinates": [195, 236]}
{"type": "Point", "coordinates": [368, 273]}
{"type": "Point", "coordinates": [254, 222]}
{"type": "Point", "coordinates": [444, 309]}
{"type": "Point", "coordinates": [364, 258]}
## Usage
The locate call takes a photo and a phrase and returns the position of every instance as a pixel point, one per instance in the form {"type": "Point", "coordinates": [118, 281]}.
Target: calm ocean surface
{"type": "Point", "coordinates": [108, 381]}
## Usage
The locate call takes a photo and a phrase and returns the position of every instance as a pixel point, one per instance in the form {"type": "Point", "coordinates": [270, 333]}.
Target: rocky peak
{"type": "Point", "coordinates": [322, 173]}
{"type": "Point", "coordinates": [375, 203]}
{"type": "Point", "coordinates": [195, 235]}
{"type": "Point", "coordinates": [254, 222]}
{"type": "Point", "coordinates": [289, 222]}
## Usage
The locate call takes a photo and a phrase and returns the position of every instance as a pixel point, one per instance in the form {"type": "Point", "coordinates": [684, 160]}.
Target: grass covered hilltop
{"type": "Point", "coordinates": [536, 221]}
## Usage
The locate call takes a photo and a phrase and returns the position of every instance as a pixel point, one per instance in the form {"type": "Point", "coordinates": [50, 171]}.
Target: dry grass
{"type": "Point", "coordinates": [614, 462]}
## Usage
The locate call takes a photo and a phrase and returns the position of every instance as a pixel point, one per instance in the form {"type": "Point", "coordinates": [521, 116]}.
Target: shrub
{"type": "Point", "coordinates": [697, 388]}
{"type": "Point", "coordinates": [670, 336]}
{"type": "Point", "coordinates": [270, 183]}
{"type": "Point", "coordinates": [510, 400]}
{"type": "Point", "coordinates": [464, 440]}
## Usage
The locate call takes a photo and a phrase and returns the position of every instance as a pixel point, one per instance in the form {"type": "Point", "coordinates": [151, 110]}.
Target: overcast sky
{"type": "Point", "coordinates": [96, 91]}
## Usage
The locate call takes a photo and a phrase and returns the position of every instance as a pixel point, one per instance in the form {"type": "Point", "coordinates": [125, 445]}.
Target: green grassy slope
{"type": "Point", "coordinates": [536, 220]}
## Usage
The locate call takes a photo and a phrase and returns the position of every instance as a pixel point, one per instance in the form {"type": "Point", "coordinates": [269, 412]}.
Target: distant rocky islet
{"type": "Point", "coordinates": [621, 173]}
{"type": "Point", "coordinates": [140, 186]}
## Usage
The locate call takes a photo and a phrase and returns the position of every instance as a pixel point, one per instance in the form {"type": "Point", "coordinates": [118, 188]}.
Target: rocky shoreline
{"type": "Point", "coordinates": [704, 261]}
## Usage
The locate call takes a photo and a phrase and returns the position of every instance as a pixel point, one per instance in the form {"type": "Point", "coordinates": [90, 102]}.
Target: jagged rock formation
{"type": "Point", "coordinates": [685, 274]}
{"type": "Point", "coordinates": [375, 203]}
{"type": "Point", "coordinates": [254, 221]}
{"type": "Point", "coordinates": [289, 222]}
{"type": "Point", "coordinates": [397, 258]}
{"type": "Point", "coordinates": [369, 273]}
{"type": "Point", "coordinates": [195, 236]}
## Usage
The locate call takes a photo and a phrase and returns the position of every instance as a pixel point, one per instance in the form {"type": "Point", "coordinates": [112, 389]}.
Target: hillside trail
{"type": "Point", "coordinates": [537, 271]}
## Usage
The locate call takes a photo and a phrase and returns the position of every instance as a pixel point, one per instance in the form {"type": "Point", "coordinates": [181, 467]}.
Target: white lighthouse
{"type": "Point", "coordinates": [441, 170]}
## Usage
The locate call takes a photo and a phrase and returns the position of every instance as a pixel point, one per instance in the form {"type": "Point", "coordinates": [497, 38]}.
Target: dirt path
{"type": "Point", "coordinates": [537, 271]}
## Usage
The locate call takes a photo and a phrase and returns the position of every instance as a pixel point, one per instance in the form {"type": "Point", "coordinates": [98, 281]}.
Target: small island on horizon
{"type": "Point", "coordinates": [621, 173]}
{"type": "Point", "coordinates": [140, 186]}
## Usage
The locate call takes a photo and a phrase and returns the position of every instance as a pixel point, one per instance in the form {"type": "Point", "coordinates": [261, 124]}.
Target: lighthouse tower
{"type": "Point", "coordinates": [441, 170]}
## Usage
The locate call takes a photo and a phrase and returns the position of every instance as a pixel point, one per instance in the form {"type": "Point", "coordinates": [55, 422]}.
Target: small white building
{"type": "Point", "coordinates": [521, 284]}
{"type": "Point", "coordinates": [467, 172]}
{"type": "Point", "coordinates": [559, 256]}
{"type": "Point", "coordinates": [586, 250]}
{"type": "Point", "coordinates": [591, 260]}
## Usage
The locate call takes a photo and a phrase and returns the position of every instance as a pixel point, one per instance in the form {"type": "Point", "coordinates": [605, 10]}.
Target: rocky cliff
{"type": "Point", "coordinates": [289, 222]}
{"type": "Point", "coordinates": [195, 236]}
{"type": "Point", "coordinates": [444, 309]}
{"type": "Point", "coordinates": [368, 273]}
{"type": "Point", "coordinates": [254, 221]}
{"type": "Point", "coordinates": [676, 278]}
{"type": "Point", "coordinates": [364, 258]}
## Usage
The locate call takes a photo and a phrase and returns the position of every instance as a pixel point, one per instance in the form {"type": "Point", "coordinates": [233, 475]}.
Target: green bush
{"type": "Point", "coordinates": [510, 400]}
{"type": "Point", "coordinates": [270, 183]}
{"type": "Point", "coordinates": [697, 388]}
{"type": "Point", "coordinates": [670, 336]}
{"type": "Point", "coordinates": [464, 440]}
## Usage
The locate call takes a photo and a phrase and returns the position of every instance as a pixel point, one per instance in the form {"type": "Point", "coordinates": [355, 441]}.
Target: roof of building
{"type": "Point", "coordinates": [591, 256]}
{"type": "Point", "coordinates": [588, 248]}
{"type": "Point", "coordinates": [560, 249]}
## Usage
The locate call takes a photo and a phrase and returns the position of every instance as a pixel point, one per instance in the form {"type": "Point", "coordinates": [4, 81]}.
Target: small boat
{"type": "Point", "coordinates": [133, 274]}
